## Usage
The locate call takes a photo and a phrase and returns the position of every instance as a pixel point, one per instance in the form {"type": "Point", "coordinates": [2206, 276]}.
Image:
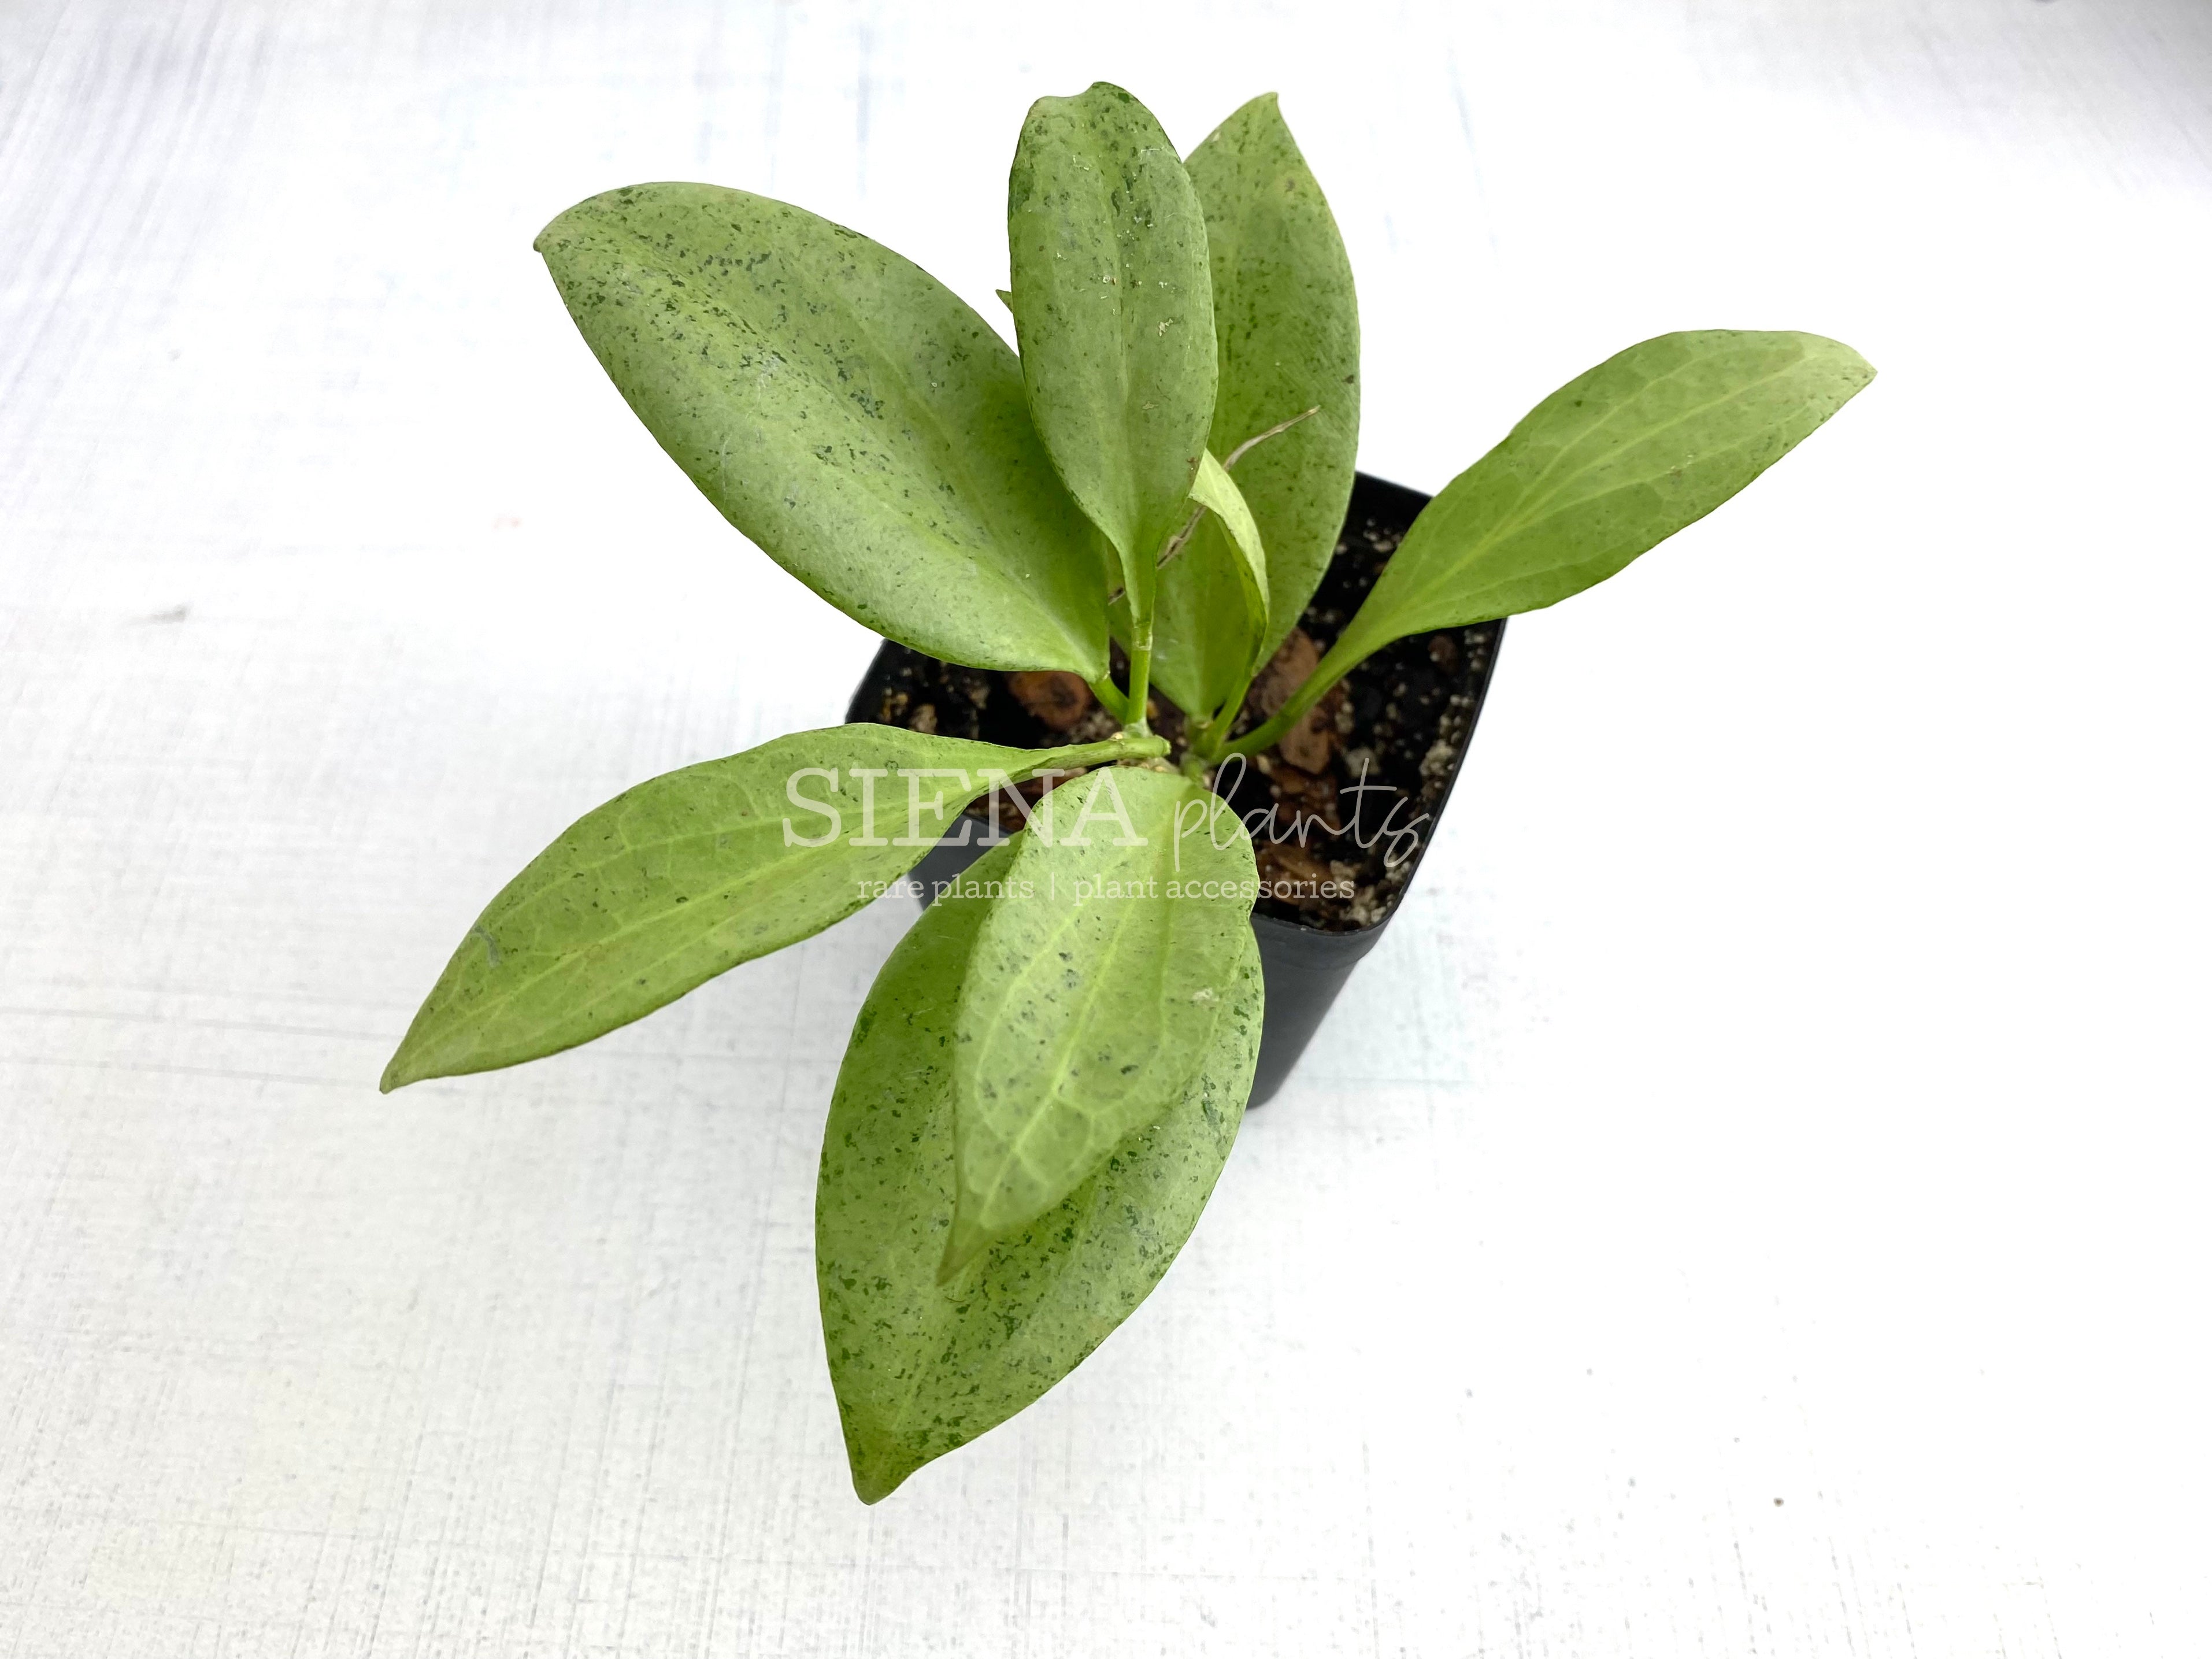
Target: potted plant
{"type": "Point", "coordinates": [1046, 1079]}
{"type": "Point", "coordinates": [1338, 808]}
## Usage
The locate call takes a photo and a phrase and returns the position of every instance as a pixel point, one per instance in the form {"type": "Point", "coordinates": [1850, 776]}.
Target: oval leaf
{"type": "Point", "coordinates": [1601, 470]}
{"type": "Point", "coordinates": [690, 874]}
{"type": "Point", "coordinates": [1114, 308]}
{"type": "Point", "coordinates": [920, 1367]}
{"type": "Point", "coordinates": [844, 410]}
{"type": "Point", "coordinates": [1286, 327]}
{"type": "Point", "coordinates": [1097, 983]}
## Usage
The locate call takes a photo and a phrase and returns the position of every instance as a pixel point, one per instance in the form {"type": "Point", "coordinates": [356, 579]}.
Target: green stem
{"type": "Point", "coordinates": [1140, 675]}
{"type": "Point", "coordinates": [1203, 733]}
{"type": "Point", "coordinates": [1332, 668]}
{"type": "Point", "coordinates": [1109, 697]}
{"type": "Point", "coordinates": [1130, 745]}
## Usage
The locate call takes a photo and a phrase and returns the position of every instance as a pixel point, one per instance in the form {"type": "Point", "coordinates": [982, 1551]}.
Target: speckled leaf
{"type": "Point", "coordinates": [674, 881]}
{"type": "Point", "coordinates": [921, 1368]}
{"type": "Point", "coordinates": [1113, 309]}
{"type": "Point", "coordinates": [1286, 327]}
{"type": "Point", "coordinates": [1601, 470]}
{"type": "Point", "coordinates": [844, 410]}
{"type": "Point", "coordinates": [1096, 986]}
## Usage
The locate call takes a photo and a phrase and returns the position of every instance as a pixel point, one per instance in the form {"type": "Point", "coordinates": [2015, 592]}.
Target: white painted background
{"type": "Point", "coordinates": [1753, 1202]}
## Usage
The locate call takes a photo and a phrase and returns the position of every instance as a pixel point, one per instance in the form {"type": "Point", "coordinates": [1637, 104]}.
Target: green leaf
{"type": "Point", "coordinates": [1097, 984]}
{"type": "Point", "coordinates": [920, 1367]}
{"type": "Point", "coordinates": [844, 410]}
{"type": "Point", "coordinates": [689, 874]}
{"type": "Point", "coordinates": [1203, 636]}
{"type": "Point", "coordinates": [1216, 491]}
{"type": "Point", "coordinates": [1601, 470]}
{"type": "Point", "coordinates": [1113, 309]}
{"type": "Point", "coordinates": [1287, 328]}
{"type": "Point", "coordinates": [1208, 649]}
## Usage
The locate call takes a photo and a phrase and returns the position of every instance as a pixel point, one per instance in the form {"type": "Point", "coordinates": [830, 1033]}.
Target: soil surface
{"type": "Point", "coordinates": [1341, 810]}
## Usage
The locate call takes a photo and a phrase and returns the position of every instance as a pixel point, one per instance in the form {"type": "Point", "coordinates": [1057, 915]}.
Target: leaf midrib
{"type": "Point", "coordinates": [1095, 987]}
{"type": "Point", "coordinates": [946, 443]}
{"type": "Point", "coordinates": [1536, 495]}
{"type": "Point", "coordinates": [565, 960]}
{"type": "Point", "coordinates": [1525, 514]}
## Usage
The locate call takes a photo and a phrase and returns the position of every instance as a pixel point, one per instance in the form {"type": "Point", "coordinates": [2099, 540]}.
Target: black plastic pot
{"type": "Point", "coordinates": [1305, 966]}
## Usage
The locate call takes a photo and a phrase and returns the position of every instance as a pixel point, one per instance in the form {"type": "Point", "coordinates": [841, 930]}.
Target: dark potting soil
{"type": "Point", "coordinates": [1342, 808]}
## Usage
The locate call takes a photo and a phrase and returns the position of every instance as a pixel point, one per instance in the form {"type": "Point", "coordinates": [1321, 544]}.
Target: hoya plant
{"type": "Point", "coordinates": [1048, 1075]}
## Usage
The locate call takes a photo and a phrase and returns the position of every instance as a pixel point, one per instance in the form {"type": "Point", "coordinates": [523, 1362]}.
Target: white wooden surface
{"type": "Point", "coordinates": [1752, 1203]}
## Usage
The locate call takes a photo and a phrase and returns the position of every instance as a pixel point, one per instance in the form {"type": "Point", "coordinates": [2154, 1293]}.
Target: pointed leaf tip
{"type": "Point", "coordinates": [1080, 1019]}
{"type": "Point", "coordinates": [1603, 469]}
{"type": "Point", "coordinates": [872, 1484]}
{"type": "Point", "coordinates": [1114, 310]}
{"type": "Point", "coordinates": [852, 416]}
{"type": "Point", "coordinates": [684, 876]}
{"type": "Point", "coordinates": [1287, 325]}
{"type": "Point", "coordinates": [921, 1368]}
{"type": "Point", "coordinates": [966, 1242]}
